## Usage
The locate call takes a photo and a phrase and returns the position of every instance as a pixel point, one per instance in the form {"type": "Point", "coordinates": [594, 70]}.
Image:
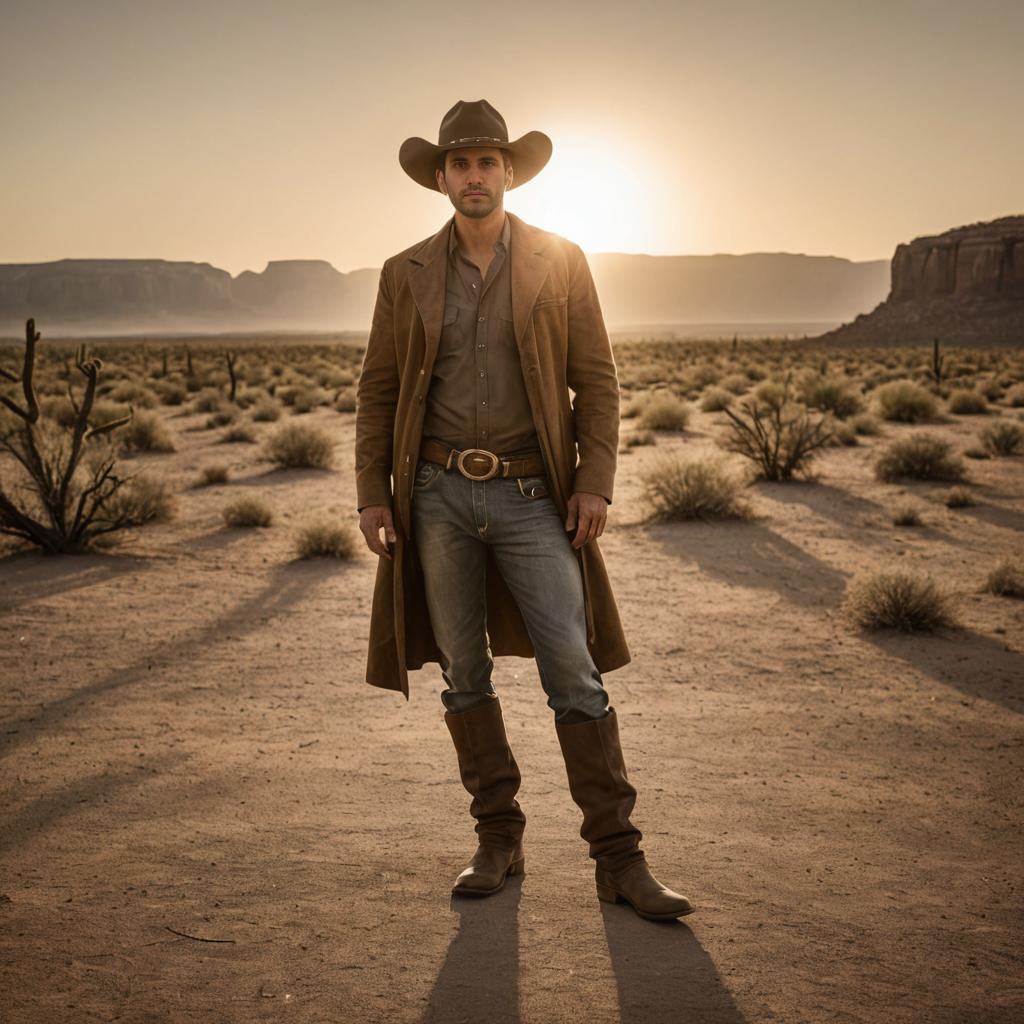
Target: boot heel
{"type": "Point", "coordinates": [517, 866]}
{"type": "Point", "coordinates": [607, 894]}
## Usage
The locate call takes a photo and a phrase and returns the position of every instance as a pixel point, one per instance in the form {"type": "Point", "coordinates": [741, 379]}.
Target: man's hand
{"type": "Point", "coordinates": [590, 511]}
{"type": "Point", "coordinates": [371, 520]}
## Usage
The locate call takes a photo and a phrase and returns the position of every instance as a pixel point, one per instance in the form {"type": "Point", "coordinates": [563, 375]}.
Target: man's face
{"type": "Point", "coordinates": [475, 180]}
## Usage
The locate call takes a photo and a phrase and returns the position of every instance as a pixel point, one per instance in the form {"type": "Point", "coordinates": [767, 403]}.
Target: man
{"type": "Point", "coordinates": [492, 489]}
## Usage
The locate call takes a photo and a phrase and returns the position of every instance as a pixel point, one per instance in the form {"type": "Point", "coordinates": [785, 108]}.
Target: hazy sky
{"type": "Point", "coordinates": [241, 132]}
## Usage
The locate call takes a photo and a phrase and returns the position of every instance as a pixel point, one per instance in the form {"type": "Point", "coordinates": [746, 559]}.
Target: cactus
{"type": "Point", "coordinates": [937, 360]}
{"type": "Point", "coordinates": [231, 358]}
{"type": "Point", "coordinates": [65, 515]}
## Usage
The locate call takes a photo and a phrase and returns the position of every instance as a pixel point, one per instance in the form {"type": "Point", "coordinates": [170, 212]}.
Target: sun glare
{"type": "Point", "coordinates": [592, 195]}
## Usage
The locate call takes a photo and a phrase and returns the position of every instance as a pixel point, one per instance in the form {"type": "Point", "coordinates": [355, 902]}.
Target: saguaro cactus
{"type": "Point", "coordinates": [62, 511]}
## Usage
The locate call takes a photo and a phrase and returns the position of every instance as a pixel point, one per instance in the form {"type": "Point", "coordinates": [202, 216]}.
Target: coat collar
{"type": "Point", "coordinates": [530, 268]}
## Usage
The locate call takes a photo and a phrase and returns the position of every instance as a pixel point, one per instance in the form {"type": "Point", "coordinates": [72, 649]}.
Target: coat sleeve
{"type": "Point", "coordinates": [591, 373]}
{"type": "Point", "coordinates": [376, 400]}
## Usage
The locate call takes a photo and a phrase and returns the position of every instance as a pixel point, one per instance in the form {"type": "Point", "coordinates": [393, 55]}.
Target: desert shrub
{"type": "Point", "coordinates": [639, 438]}
{"type": "Point", "coordinates": [967, 403]}
{"type": "Point", "coordinates": [1015, 396]}
{"type": "Point", "coordinates": [958, 497]}
{"type": "Point", "coordinates": [992, 391]}
{"type": "Point", "coordinates": [634, 406]}
{"type": "Point", "coordinates": [299, 446]}
{"type": "Point", "coordinates": [906, 514]}
{"type": "Point", "coordinates": [143, 498]}
{"type": "Point", "coordinates": [897, 600]}
{"type": "Point", "coordinates": [716, 399]}
{"type": "Point", "coordinates": [831, 394]}
{"type": "Point", "coordinates": [266, 410]}
{"type": "Point", "coordinates": [779, 437]}
{"type": "Point", "coordinates": [222, 417]}
{"type": "Point", "coordinates": [665, 412]}
{"type": "Point", "coordinates": [247, 511]}
{"type": "Point", "coordinates": [865, 424]}
{"type": "Point", "coordinates": [699, 489]}
{"type": "Point", "coordinates": [170, 392]}
{"type": "Point", "coordinates": [770, 392]}
{"type": "Point", "coordinates": [132, 393]}
{"type": "Point", "coordinates": [326, 539]}
{"type": "Point", "coordinates": [346, 400]}
{"type": "Point", "coordinates": [975, 451]}
{"type": "Point", "coordinates": [208, 400]}
{"type": "Point", "coordinates": [734, 383]}
{"type": "Point", "coordinates": [105, 412]}
{"type": "Point", "coordinates": [1003, 437]}
{"type": "Point", "coordinates": [1006, 578]}
{"type": "Point", "coordinates": [903, 401]}
{"type": "Point", "coordinates": [843, 434]}
{"type": "Point", "coordinates": [240, 433]}
{"type": "Point", "coordinates": [920, 457]}
{"type": "Point", "coordinates": [146, 433]}
{"type": "Point", "coordinates": [306, 399]}
{"type": "Point", "coordinates": [209, 475]}
{"type": "Point", "coordinates": [59, 409]}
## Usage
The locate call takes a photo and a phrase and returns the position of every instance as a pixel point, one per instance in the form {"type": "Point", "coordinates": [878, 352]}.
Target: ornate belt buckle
{"type": "Point", "coordinates": [466, 452]}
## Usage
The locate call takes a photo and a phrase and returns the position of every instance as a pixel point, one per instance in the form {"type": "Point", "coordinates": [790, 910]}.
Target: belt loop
{"type": "Point", "coordinates": [451, 455]}
{"type": "Point", "coordinates": [505, 464]}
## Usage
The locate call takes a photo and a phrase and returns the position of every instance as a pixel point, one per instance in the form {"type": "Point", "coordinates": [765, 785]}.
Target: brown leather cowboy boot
{"type": "Point", "coordinates": [599, 785]}
{"type": "Point", "coordinates": [491, 776]}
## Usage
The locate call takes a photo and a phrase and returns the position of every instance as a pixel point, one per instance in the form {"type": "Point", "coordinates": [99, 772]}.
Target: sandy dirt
{"type": "Point", "coordinates": [208, 816]}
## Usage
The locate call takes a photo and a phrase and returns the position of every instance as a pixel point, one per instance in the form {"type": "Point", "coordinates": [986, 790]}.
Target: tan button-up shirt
{"type": "Point", "coordinates": [477, 396]}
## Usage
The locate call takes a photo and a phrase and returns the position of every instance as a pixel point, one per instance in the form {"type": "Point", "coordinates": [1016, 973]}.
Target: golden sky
{"type": "Point", "coordinates": [240, 132]}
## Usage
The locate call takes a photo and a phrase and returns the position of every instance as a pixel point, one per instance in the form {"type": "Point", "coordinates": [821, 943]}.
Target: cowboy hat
{"type": "Point", "coordinates": [473, 123]}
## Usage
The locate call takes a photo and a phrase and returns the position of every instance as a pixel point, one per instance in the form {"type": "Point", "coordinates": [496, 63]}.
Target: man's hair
{"type": "Point", "coordinates": [442, 160]}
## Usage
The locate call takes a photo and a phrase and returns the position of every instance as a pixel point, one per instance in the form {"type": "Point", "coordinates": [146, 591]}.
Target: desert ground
{"type": "Point", "coordinates": [208, 815]}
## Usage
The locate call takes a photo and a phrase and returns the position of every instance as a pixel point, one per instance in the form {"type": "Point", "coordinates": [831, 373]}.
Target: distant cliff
{"type": "Point", "coordinates": [965, 286]}
{"type": "Point", "coordinates": [129, 296]}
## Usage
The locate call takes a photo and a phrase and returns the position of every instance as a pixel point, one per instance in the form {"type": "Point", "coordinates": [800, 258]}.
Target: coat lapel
{"type": "Point", "coordinates": [428, 281]}
{"type": "Point", "coordinates": [427, 284]}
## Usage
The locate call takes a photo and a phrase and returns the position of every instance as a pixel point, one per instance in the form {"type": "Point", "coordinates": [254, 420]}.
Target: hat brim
{"type": "Point", "coordinates": [419, 158]}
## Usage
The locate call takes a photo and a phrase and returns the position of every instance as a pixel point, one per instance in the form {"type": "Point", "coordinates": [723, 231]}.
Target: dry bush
{"type": "Point", "coordinates": [345, 400]}
{"type": "Point", "coordinates": [830, 394]}
{"type": "Point", "coordinates": [640, 438]}
{"type": "Point", "coordinates": [170, 392]}
{"type": "Point", "coordinates": [222, 417]}
{"type": "Point", "coordinates": [300, 446]}
{"type": "Point", "coordinates": [665, 412]}
{"type": "Point", "coordinates": [734, 383]}
{"type": "Point", "coordinates": [634, 406]}
{"type": "Point", "coordinates": [906, 514]}
{"type": "Point", "coordinates": [144, 498]}
{"type": "Point", "coordinates": [306, 399]}
{"type": "Point", "coordinates": [716, 399]}
{"type": "Point", "coordinates": [266, 410]}
{"type": "Point", "coordinates": [1006, 579]}
{"type": "Point", "coordinates": [866, 425]}
{"type": "Point", "coordinates": [146, 433]}
{"type": "Point", "coordinates": [919, 457]}
{"type": "Point", "coordinates": [778, 436]}
{"type": "Point", "coordinates": [958, 497]}
{"type": "Point", "coordinates": [246, 512]}
{"type": "Point", "coordinates": [1003, 437]}
{"type": "Point", "coordinates": [903, 401]}
{"type": "Point", "coordinates": [1015, 397]}
{"type": "Point", "coordinates": [208, 400]}
{"type": "Point", "coordinates": [963, 402]}
{"type": "Point", "coordinates": [209, 475]}
{"type": "Point", "coordinates": [843, 434]}
{"type": "Point", "coordinates": [327, 539]}
{"type": "Point", "coordinates": [897, 600]}
{"type": "Point", "coordinates": [704, 488]}
{"type": "Point", "coordinates": [240, 433]}
{"type": "Point", "coordinates": [131, 392]}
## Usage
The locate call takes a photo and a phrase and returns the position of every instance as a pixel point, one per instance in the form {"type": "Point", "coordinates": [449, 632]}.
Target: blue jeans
{"type": "Point", "coordinates": [454, 521]}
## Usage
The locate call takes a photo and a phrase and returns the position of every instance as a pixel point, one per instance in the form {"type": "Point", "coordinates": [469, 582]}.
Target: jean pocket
{"type": "Point", "coordinates": [532, 486]}
{"type": "Point", "coordinates": [426, 474]}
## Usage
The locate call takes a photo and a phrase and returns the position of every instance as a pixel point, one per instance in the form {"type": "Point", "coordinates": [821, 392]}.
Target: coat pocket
{"type": "Point", "coordinates": [533, 487]}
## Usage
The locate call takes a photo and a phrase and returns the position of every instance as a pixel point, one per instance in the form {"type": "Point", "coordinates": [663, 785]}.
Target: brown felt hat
{"type": "Point", "coordinates": [473, 123]}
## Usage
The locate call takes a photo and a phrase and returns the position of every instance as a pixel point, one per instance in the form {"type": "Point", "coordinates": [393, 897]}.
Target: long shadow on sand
{"type": "Point", "coordinates": [976, 665]}
{"type": "Point", "coordinates": [479, 979]}
{"type": "Point", "coordinates": [287, 586]}
{"type": "Point", "coordinates": [31, 576]}
{"type": "Point", "coordinates": [749, 554]}
{"type": "Point", "coordinates": [661, 972]}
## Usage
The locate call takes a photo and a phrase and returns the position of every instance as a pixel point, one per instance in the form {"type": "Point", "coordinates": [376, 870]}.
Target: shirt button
{"type": "Point", "coordinates": [482, 319]}
{"type": "Point", "coordinates": [482, 374]}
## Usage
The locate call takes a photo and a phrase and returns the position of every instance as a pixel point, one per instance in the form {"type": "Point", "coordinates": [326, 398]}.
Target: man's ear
{"type": "Point", "coordinates": [439, 174]}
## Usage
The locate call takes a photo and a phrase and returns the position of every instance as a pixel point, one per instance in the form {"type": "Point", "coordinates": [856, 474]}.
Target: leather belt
{"type": "Point", "coordinates": [479, 463]}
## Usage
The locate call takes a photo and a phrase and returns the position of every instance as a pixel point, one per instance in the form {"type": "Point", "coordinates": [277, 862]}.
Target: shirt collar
{"type": "Point", "coordinates": [506, 234]}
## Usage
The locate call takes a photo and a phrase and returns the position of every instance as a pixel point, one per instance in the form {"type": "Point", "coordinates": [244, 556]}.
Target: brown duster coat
{"type": "Point", "coordinates": [562, 344]}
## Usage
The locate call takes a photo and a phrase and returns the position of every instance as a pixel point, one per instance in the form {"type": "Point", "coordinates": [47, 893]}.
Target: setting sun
{"type": "Point", "coordinates": [597, 195]}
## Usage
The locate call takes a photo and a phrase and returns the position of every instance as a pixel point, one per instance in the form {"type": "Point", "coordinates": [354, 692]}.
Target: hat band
{"type": "Point", "coordinates": [475, 138]}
